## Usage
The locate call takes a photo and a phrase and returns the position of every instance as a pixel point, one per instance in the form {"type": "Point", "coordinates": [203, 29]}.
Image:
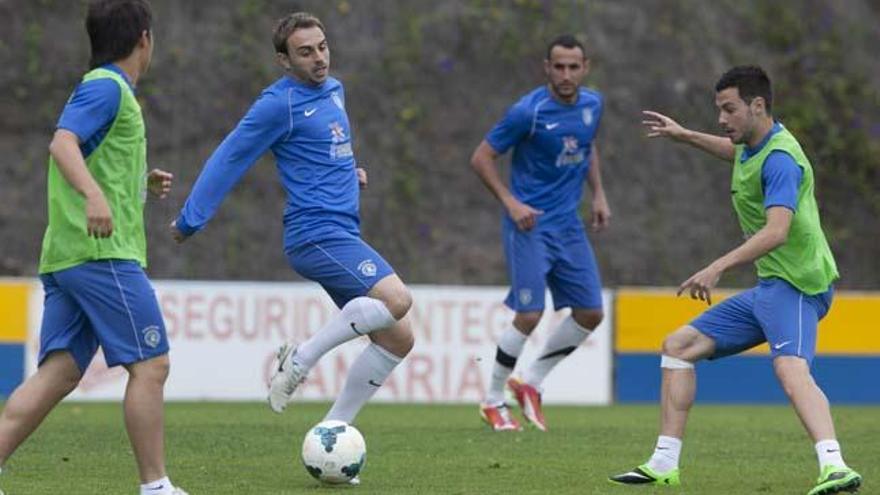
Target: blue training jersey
{"type": "Point", "coordinates": [780, 175]}
{"type": "Point", "coordinates": [307, 129]}
{"type": "Point", "coordinates": [92, 108]}
{"type": "Point", "coordinates": [552, 142]}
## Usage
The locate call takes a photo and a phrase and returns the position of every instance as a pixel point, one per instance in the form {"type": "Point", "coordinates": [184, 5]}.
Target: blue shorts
{"type": "Point", "coordinates": [110, 303]}
{"type": "Point", "coordinates": [559, 259]}
{"type": "Point", "coordinates": [775, 312]}
{"type": "Point", "coordinates": [345, 266]}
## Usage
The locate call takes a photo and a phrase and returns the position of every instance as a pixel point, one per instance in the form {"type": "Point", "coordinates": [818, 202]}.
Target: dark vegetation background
{"type": "Point", "coordinates": [424, 82]}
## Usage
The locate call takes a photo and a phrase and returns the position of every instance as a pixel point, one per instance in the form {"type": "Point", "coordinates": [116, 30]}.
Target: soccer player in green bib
{"type": "Point", "coordinates": [772, 192]}
{"type": "Point", "coordinates": [94, 248]}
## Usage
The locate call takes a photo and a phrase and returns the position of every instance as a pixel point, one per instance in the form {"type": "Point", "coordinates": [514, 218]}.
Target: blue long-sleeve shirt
{"type": "Point", "coordinates": [307, 129]}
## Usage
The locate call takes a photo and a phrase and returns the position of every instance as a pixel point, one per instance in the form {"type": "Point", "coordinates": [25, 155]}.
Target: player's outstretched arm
{"type": "Point", "coordinates": [772, 235]}
{"type": "Point", "coordinates": [265, 123]}
{"type": "Point", "coordinates": [64, 148]}
{"type": "Point", "coordinates": [660, 125]}
{"type": "Point", "coordinates": [483, 163]}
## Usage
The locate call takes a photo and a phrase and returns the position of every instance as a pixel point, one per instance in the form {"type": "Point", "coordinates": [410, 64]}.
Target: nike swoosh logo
{"type": "Point", "coordinates": [662, 448]}
{"type": "Point", "coordinates": [308, 113]}
{"type": "Point", "coordinates": [832, 451]}
{"type": "Point", "coordinates": [371, 382]}
{"type": "Point", "coordinates": [550, 127]}
{"type": "Point", "coordinates": [781, 345]}
{"type": "Point", "coordinates": [354, 329]}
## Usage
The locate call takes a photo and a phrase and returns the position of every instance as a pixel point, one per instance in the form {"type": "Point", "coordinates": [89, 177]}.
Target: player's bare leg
{"type": "Point", "coordinates": [814, 411]}
{"type": "Point", "coordinates": [144, 415]}
{"type": "Point", "coordinates": [26, 408]}
{"type": "Point", "coordinates": [681, 350]}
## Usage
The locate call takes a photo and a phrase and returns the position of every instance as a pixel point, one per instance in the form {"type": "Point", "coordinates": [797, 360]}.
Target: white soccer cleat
{"type": "Point", "coordinates": [355, 481]}
{"type": "Point", "coordinates": [288, 375]}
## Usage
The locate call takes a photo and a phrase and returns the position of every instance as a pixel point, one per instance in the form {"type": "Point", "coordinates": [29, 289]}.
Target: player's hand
{"type": "Point", "coordinates": [159, 183]}
{"type": "Point", "coordinates": [601, 216]}
{"type": "Point", "coordinates": [701, 284]}
{"type": "Point", "coordinates": [178, 236]}
{"type": "Point", "coordinates": [659, 125]}
{"type": "Point", "coordinates": [362, 177]}
{"type": "Point", "coordinates": [99, 220]}
{"type": "Point", "coordinates": [524, 216]}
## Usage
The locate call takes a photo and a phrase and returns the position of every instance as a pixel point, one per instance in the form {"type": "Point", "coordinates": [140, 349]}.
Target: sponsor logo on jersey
{"type": "Point", "coordinates": [571, 154]}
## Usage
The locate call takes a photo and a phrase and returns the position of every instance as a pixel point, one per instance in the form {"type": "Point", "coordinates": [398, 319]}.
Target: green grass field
{"type": "Point", "coordinates": [232, 448]}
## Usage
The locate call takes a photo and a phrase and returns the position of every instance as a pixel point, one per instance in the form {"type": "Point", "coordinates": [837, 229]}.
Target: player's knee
{"type": "Point", "coordinates": [526, 322]}
{"type": "Point", "coordinates": [589, 319]}
{"type": "Point", "coordinates": [675, 347]}
{"type": "Point", "coordinates": [399, 302]}
{"type": "Point", "coordinates": [791, 372]}
{"type": "Point", "coordinates": [153, 370]}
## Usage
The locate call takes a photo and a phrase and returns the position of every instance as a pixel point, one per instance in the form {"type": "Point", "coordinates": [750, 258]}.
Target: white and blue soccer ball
{"type": "Point", "coordinates": [334, 452]}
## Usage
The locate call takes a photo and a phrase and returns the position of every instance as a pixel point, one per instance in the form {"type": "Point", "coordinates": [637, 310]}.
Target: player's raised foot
{"type": "Point", "coordinates": [837, 480]}
{"type": "Point", "coordinates": [643, 475]}
{"type": "Point", "coordinates": [288, 375]}
{"type": "Point", "coordinates": [498, 417]}
{"type": "Point", "coordinates": [529, 399]}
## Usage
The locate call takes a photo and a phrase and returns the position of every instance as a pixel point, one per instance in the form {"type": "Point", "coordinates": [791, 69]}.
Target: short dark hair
{"type": "Point", "coordinates": [289, 24]}
{"type": "Point", "coordinates": [115, 27]}
{"type": "Point", "coordinates": [566, 41]}
{"type": "Point", "coordinates": [751, 81]}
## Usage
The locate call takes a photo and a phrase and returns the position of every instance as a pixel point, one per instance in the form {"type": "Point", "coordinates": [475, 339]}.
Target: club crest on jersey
{"type": "Point", "coordinates": [367, 268]}
{"type": "Point", "coordinates": [152, 336]}
{"type": "Point", "coordinates": [571, 154]}
{"type": "Point", "coordinates": [587, 115]}
{"type": "Point", "coordinates": [337, 100]}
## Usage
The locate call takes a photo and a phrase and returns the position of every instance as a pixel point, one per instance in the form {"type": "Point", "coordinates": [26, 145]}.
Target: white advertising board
{"type": "Point", "coordinates": [223, 336]}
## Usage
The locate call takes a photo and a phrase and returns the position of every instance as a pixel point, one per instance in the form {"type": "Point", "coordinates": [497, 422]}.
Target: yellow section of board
{"type": "Point", "coordinates": [13, 311]}
{"type": "Point", "coordinates": [645, 316]}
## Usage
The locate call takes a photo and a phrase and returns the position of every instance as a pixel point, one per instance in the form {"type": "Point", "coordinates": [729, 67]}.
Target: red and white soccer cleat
{"type": "Point", "coordinates": [499, 418]}
{"type": "Point", "coordinates": [529, 402]}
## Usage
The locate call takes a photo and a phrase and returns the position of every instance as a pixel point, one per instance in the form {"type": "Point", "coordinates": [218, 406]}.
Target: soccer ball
{"type": "Point", "coordinates": [334, 452]}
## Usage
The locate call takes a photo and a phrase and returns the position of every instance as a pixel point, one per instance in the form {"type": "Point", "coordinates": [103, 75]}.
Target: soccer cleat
{"type": "Point", "coordinates": [837, 480]}
{"type": "Point", "coordinates": [355, 481]}
{"type": "Point", "coordinates": [643, 475]}
{"type": "Point", "coordinates": [529, 400]}
{"type": "Point", "coordinates": [498, 417]}
{"type": "Point", "coordinates": [288, 375]}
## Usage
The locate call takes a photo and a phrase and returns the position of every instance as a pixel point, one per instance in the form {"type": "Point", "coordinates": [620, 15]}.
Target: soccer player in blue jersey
{"type": "Point", "coordinates": [94, 249]}
{"type": "Point", "coordinates": [773, 196]}
{"type": "Point", "coordinates": [552, 131]}
{"type": "Point", "coordinates": [301, 118]}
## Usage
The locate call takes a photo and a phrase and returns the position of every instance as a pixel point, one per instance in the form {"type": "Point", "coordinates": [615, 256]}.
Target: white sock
{"type": "Point", "coordinates": [360, 316]}
{"type": "Point", "coordinates": [562, 342]}
{"type": "Point", "coordinates": [158, 487]}
{"type": "Point", "coordinates": [510, 346]}
{"type": "Point", "coordinates": [366, 375]}
{"type": "Point", "coordinates": [666, 453]}
{"type": "Point", "coordinates": [829, 454]}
